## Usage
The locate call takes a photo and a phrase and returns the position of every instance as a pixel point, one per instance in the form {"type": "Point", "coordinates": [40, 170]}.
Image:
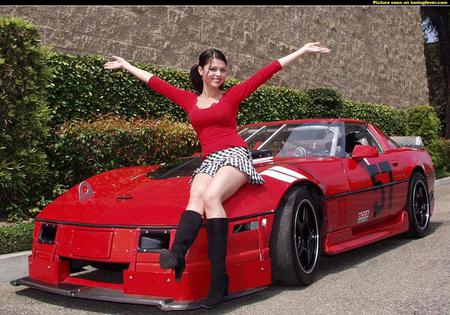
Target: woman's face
{"type": "Point", "coordinates": [213, 73]}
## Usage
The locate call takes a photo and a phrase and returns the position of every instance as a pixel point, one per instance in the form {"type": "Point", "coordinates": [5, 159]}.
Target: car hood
{"type": "Point", "coordinates": [126, 196]}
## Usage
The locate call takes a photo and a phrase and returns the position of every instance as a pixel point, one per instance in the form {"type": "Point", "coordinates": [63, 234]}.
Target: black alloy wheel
{"type": "Point", "coordinates": [418, 206]}
{"type": "Point", "coordinates": [421, 205]}
{"type": "Point", "coordinates": [306, 236]}
{"type": "Point", "coordinates": [295, 238]}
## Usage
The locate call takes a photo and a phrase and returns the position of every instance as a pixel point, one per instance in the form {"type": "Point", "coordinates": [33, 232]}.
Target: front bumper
{"type": "Point", "coordinates": [125, 271]}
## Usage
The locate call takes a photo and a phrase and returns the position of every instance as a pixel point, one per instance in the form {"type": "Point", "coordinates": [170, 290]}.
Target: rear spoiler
{"type": "Point", "coordinates": [409, 141]}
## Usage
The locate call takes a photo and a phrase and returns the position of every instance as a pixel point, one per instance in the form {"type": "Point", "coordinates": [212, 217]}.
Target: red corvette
{"type": "Point", "coordinates": [332, 185]}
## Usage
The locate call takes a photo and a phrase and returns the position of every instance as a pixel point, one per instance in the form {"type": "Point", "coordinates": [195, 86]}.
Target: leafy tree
{"type": "Point", "coordinates": [23, 117]}
{"type": "Point", "coordinates": [438, 18]}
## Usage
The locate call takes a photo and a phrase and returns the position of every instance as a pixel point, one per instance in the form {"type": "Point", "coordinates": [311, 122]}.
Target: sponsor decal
{"type": "Point", "coordinates": [363, 216]}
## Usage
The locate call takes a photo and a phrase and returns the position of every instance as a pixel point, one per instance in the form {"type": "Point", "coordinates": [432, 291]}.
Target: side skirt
{"type": "Point", "coordinates": [347, 239]}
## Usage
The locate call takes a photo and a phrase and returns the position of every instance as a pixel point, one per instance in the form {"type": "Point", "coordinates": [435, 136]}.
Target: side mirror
{"type": "Point", "coordinates": [364, 151]}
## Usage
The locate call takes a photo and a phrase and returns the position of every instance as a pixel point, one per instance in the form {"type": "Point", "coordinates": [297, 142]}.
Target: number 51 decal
{"type": "Point", "coordinates": [374, 170]}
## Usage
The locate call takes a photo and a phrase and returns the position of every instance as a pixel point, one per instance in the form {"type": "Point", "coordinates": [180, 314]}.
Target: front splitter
{"type": "Point", "coordinates": [110, 295]}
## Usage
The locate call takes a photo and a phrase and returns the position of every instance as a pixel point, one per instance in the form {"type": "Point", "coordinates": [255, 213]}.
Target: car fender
{"type": "Point", "coordinates": [254, 200]}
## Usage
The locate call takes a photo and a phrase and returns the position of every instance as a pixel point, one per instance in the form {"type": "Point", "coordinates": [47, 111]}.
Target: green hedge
{"type": "Point", "coordinates": [423, 121]}
{"type": "Point", "coordinates": [440, 152]}
{"type": "Point", "coordinates": [82, 89]}
{"type": "Point", "coordinates": [15, 238]}
{"type": "Point", "coordinates": [390, 120]}
{"type": "Point", "coordinates": [23, 116]}
{"type": "Point", "coordinates": [84, 149]}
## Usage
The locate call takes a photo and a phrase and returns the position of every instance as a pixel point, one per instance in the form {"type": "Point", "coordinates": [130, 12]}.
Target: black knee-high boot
{"type": "Point", "coordinates": [217, 251]}
{"type": "Point", "coordinates": [188, 228]}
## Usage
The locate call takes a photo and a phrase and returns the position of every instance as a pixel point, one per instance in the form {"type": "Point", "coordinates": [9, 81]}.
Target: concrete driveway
{"type": "Point", "coordinates": [394, 276]}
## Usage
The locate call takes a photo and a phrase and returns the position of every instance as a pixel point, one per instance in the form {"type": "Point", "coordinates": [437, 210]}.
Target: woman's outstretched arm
{"type": "Point", "coordinates": [179, 96]}
{"type": "Point", "coordinates": [120, 63]}
{"type": "Point", "coordinates": [244, 89]}
{"type": "Point", "coordinates": [309, 48]}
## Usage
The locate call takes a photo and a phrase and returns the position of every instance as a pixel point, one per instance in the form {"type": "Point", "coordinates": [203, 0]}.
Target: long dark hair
{"type": "Point", "coordinates": [203, 59]}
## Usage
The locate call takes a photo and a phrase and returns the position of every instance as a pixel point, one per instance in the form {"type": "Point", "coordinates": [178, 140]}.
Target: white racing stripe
{"type": "Point", "coordinates": [284, 174]}
{"type": "Point", "coordinates": [262, 160]}
{"type": "Point", "coordinates": [278, 175]}
{"type": "Point", "coordinates": [288, 172]}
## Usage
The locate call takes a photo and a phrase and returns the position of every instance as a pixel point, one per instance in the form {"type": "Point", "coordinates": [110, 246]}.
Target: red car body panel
{"type": "Point", "coordinates": [125, 204]}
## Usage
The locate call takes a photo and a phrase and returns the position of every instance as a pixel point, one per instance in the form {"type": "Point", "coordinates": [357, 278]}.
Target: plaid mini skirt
{"type": "Point", "coordinates": [238, 157]}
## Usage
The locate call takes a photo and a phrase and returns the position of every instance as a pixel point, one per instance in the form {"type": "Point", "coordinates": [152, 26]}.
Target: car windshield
{"type": "Point", "coordinates": [317, 139]}
{"type": "Point", "coordinates": [312, 139]}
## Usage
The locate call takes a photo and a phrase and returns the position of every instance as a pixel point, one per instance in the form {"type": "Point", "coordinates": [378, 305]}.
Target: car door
{"type": "Point", "coordinates": [371, 196]}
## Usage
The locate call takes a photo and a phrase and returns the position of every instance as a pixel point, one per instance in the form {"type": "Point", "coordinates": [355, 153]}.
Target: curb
{"type": "Point", "coordinates": [15, 265]}
{"type": "Point", "coordinates": [442, 182]}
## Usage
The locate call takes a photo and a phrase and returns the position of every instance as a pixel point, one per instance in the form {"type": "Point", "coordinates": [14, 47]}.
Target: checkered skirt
{"type": "Point", "coordinates": [238, 157]}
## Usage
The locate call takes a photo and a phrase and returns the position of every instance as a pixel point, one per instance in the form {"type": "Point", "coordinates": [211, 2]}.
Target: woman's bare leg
{"type": "Point", "coordinates": [224, 184]}
{"type": "Point", "coordinates": [199, 185]}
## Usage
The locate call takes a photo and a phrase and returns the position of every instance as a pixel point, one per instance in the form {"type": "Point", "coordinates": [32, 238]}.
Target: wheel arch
{"type": "Point", "coordinates": [313, 187]}
{"type": "Point", "coordinates": [418, 169]}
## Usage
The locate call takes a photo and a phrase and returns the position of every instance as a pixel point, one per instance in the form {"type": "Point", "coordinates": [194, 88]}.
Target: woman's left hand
{"type": "Point", "coordinates": [307, 49]}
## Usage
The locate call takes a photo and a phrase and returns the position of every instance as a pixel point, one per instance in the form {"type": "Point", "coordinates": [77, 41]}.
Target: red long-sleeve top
{"type": "Point", "coordinates": [216, 125]}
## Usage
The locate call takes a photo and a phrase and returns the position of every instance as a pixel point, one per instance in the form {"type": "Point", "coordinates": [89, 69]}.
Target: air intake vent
{"type": "Point", "coordinates": [47, 234]}
{"type": "Point", "coordinates": [247, 226]}
{"type": "Point", "coordinates": [153, 240]}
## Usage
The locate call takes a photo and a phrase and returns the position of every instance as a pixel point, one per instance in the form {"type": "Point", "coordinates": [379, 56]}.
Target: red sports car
{"type": "Point", "coordinates": [332, 185]}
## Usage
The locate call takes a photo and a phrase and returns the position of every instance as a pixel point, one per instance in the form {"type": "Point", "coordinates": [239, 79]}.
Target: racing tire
{"type": "Point", "coordinates": [295, 239]}
{"type": "Point", "coordinates": [418, 205]}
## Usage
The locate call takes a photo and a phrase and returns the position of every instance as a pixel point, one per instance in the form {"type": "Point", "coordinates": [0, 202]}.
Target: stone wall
{"type": "Point", "coordinates": [377, 52]}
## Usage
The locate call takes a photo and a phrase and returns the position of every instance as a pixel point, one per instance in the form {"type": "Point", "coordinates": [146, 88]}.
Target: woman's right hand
{"type": "Point", "coordinates": [116, 63]}
{"type": "Point", "coordinates": [120, 63]}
